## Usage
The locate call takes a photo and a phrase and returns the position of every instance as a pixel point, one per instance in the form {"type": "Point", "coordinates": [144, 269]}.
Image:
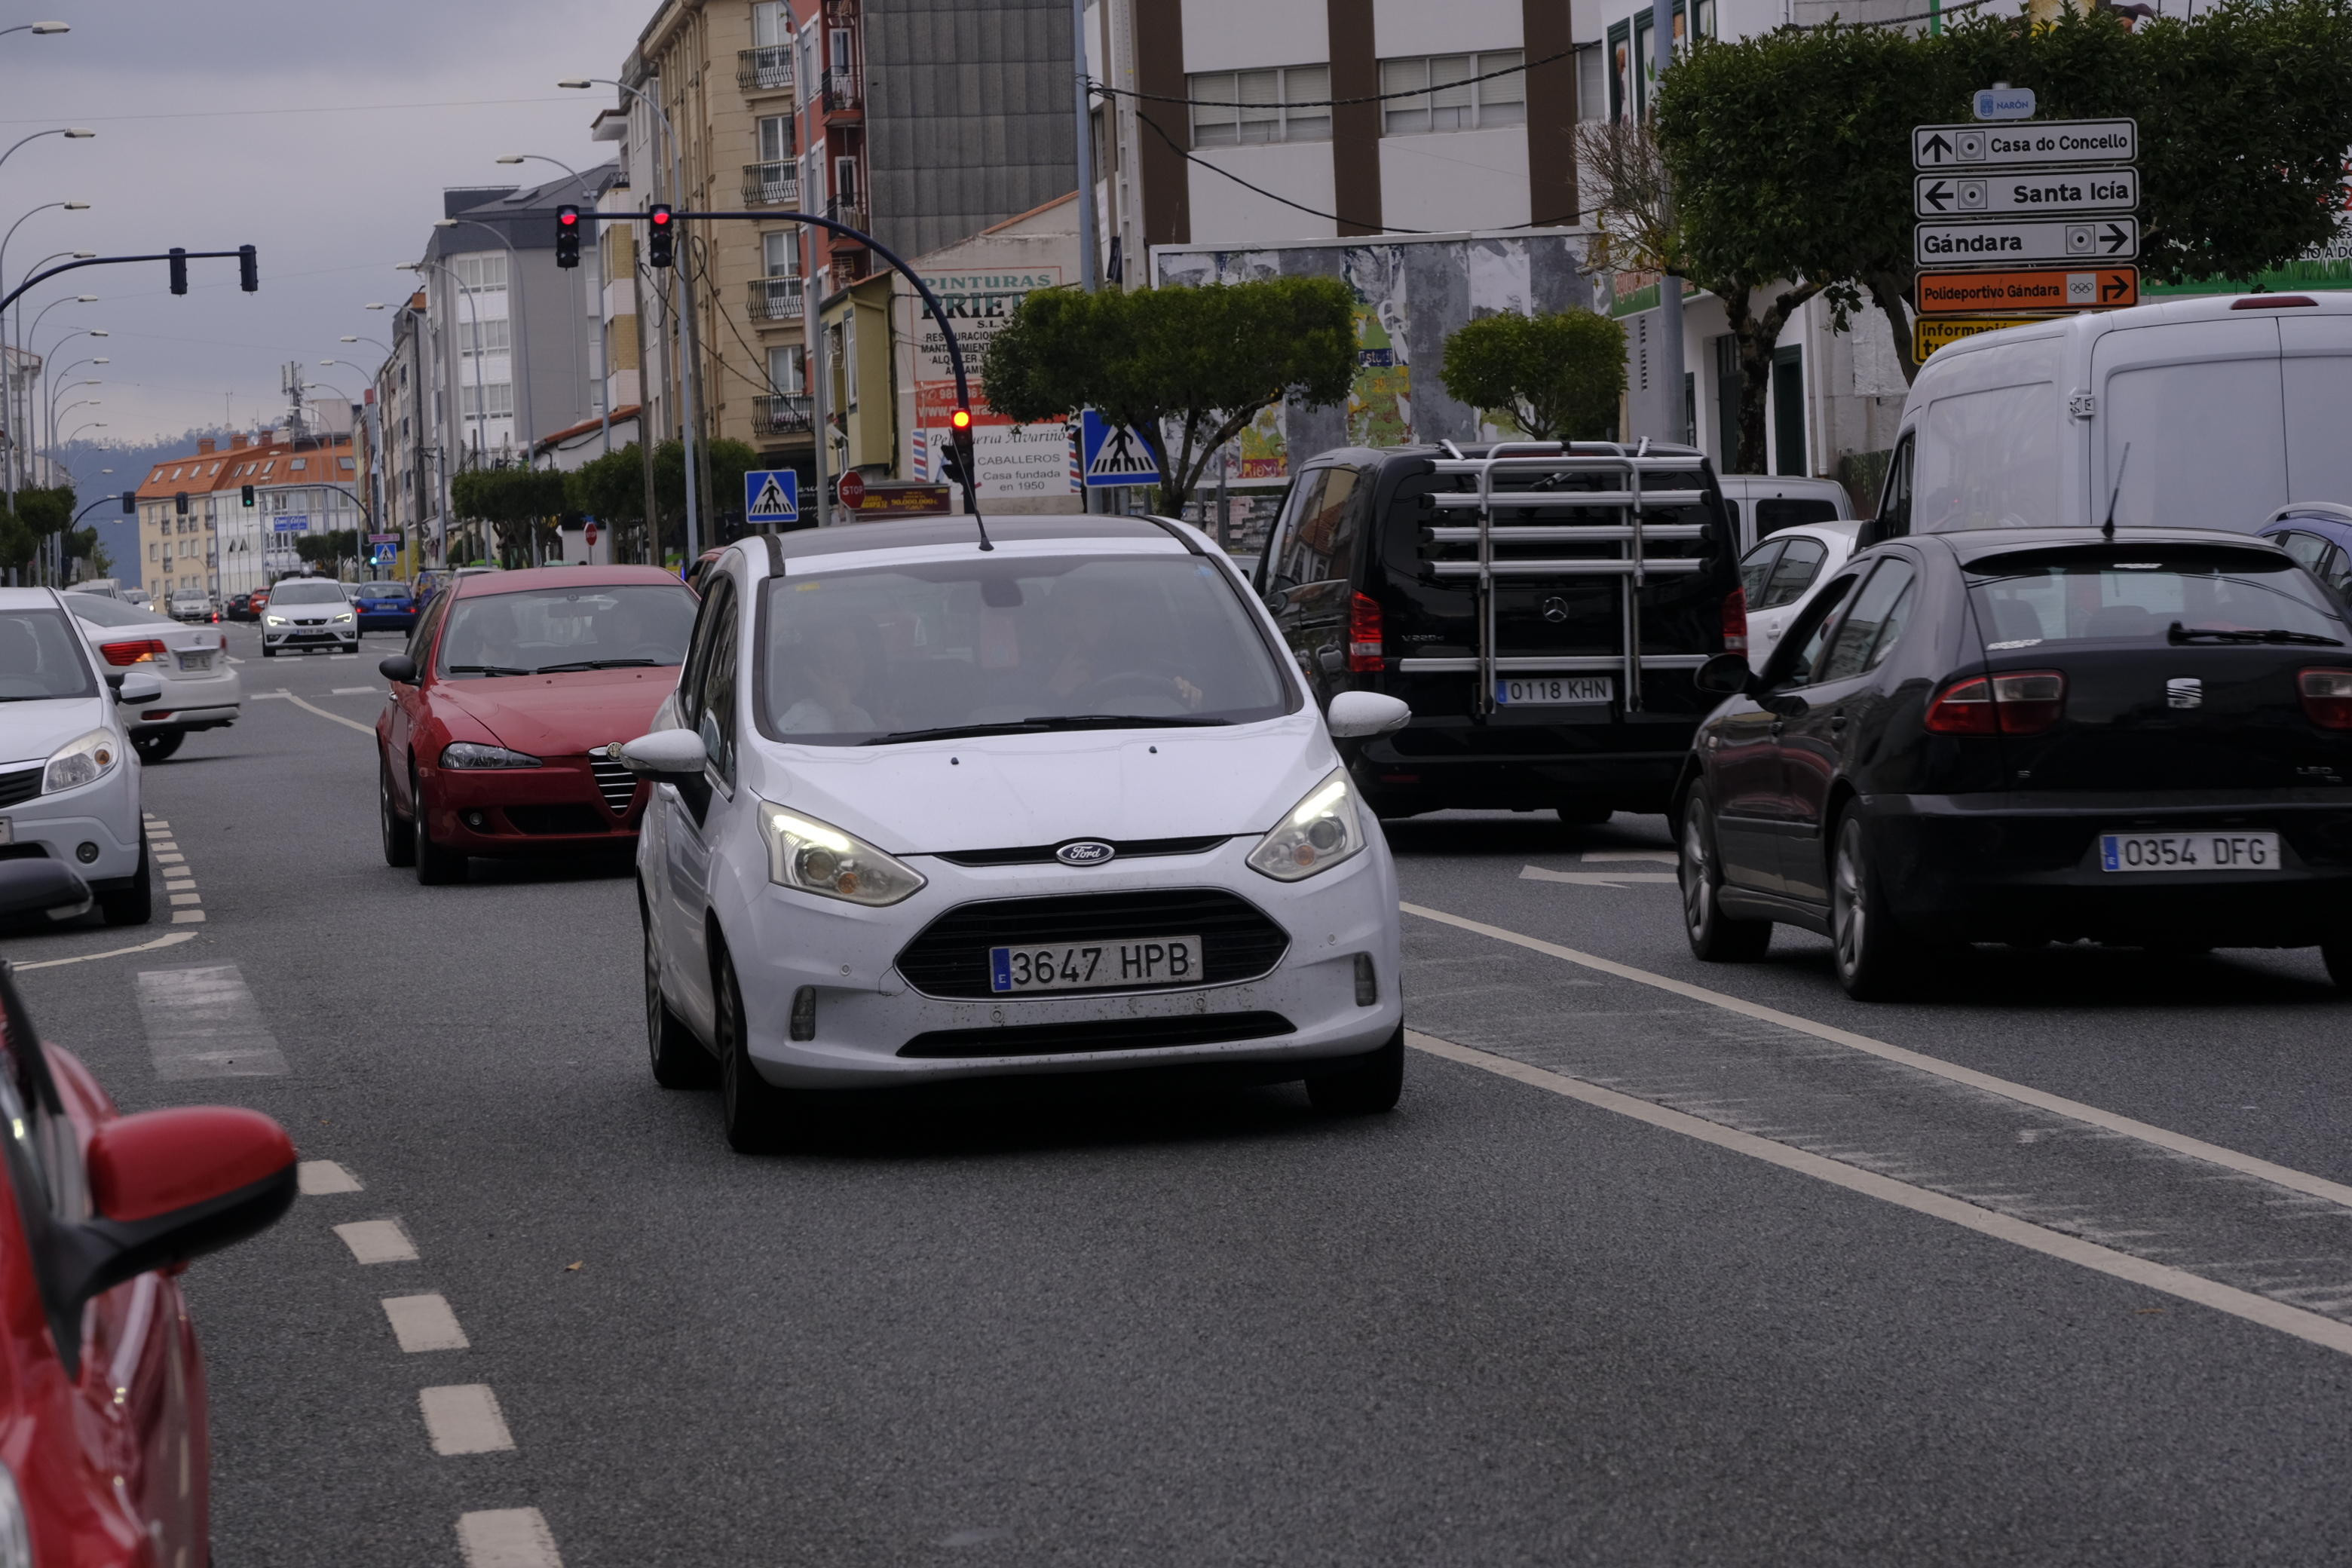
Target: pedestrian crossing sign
{"type": "Point", "coordinates": [1115, 455]}
{"type": "Point", "coordinates": [772, 495]}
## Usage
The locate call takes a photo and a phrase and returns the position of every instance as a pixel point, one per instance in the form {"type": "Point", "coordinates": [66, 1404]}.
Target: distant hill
{"type": "Point", "coordinates": [131, 462]}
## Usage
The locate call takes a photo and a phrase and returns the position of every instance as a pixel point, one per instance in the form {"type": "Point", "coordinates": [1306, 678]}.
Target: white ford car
{"type": "Point", "coordinates": [201, 688]}
{"type": "Point", "coordinates": [68, 780]}
{"type": "Point", "coordinates": [923, 811]}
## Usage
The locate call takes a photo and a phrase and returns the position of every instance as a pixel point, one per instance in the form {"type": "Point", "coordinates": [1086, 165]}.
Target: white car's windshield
{"type": "Point", "coordinates": [564, 629]}
{"type": "Point", "coordinates": [306, 593]}
{"type": "Point", "coordinates": [973, 646]}
{"type": "Point", "coordinates": [41, 655]}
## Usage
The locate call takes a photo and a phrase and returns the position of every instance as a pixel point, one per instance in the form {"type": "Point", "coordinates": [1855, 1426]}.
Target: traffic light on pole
{"type": "Point", "coordinates": [567, 237]}
{"type": "Point", "coordinates": [178, 269]}
{"type": "Point", "coordinates": [960, 432]}
{"type": "Point", "coordinates": [249, 495]}
{"type": "Point", "coordinates": [249, 269]}
{"type": "Point", "coordinates": [660, 236]}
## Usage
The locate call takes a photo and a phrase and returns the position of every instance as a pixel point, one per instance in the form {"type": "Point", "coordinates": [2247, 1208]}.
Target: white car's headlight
{"type": "Point", "coordinates": [342, 616]}
{"type": "Point", "coordinates": [273, 620]}
{"type": "Point", "coordinates": [467, 755]}
{"type": "Point", "coordinates": [15, 1536]}
{"type": "Point", "coordinates": [81, 762]}
{"type": "Point", "coordinates": [1319, 832]}
{"type": "Point", "coordinates": [818, 858]}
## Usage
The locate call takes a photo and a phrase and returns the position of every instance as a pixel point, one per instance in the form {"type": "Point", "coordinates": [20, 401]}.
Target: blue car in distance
{"type": "Point", "coordinates": [385, 606]}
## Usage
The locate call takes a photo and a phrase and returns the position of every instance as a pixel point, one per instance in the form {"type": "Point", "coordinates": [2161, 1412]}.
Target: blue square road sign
{"type": "Point", "coordinates": [772, 495]}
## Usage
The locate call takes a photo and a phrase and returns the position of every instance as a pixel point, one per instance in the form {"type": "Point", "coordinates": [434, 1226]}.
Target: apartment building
{"type": "Point", "coordinates": [179, 547]}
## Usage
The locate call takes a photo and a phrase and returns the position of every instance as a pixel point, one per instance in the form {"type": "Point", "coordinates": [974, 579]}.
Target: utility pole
{"type": "Point", "coordinates": [1089, 251]}
{"type": "Point", "coordinates": [1670, 288]}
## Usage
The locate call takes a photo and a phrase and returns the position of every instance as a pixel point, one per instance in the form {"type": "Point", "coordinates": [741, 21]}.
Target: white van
{"type": "Point", "coordinates": [2230, 406]}
{"type": "Point", "coordinates": [1764, 504]}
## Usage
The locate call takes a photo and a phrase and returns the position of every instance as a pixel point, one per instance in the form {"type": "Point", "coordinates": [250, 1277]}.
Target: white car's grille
{"type": "Point", "coordinates": [616, 783]}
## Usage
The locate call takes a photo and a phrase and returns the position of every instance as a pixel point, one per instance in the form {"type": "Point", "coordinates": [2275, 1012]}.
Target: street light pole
{"type": "Point", "coordinates": [481, 401]}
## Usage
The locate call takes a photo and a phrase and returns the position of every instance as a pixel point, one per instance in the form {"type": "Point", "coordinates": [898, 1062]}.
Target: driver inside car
{"type": "Point", "coordinates": [1099, 638]}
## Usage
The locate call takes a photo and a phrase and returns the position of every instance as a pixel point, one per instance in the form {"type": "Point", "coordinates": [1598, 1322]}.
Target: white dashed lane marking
{"type": "Point", "coordinates": [463, 1418]}
{"type": "Point", "coordinates": [318, 1178]}
{"type": "Point", "coordinates": [507, 1537]}
{"type": "Point", "coordinates": [204, 1022]}
{"type": "Point", "coordinates": [425, 1324]}
{"type": "Point", "coordinates": [377, 1241]}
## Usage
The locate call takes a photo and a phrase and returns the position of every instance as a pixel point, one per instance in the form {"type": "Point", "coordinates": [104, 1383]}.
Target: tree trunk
{"type": "Point", "coordinates": [1756, 336]}
{"type": "Point", "coordinates": [1891, 295]}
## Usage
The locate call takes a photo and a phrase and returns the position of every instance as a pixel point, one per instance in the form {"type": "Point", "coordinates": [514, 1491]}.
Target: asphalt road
{"type": "Point", "coordinates": [1657, 1262]}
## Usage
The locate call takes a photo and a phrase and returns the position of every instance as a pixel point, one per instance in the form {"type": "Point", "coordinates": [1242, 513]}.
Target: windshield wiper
{"type": "Point", "coordinates": [488, 670]}
{"type": "Point", "coordinates": [597, 664]}
{"type": "Point", "coordinates": [955, 732]}
{"type": "Point", "coordinates": [1043, 724]}
{"type": "Point", "coordinates": [2179, 633]}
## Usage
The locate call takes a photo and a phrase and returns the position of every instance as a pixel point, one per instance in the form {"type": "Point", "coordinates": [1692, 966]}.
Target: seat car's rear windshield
{"type": "Point", "coordinates": [853, 657]}
{"type": "Point", "coordinates": [543, 629]}
{"type": "Point", "coordinates": [2138, 594]}
{"type": "Point", "coordinates": [307, 594]}
{"type": "Point", "coordinates": [102, 611]}
{"type": "Point", "coordinates": [42, 655]}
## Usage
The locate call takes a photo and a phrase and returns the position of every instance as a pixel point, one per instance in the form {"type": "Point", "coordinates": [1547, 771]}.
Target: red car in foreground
{"type": "Point", "coordinates": [104, 1456]}
{"type": "Point", "coordinates": [510, 679]}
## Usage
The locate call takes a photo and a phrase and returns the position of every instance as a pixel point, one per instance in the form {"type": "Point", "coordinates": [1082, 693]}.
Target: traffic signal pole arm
{"type": "Point", "coordinates": [248, 278]}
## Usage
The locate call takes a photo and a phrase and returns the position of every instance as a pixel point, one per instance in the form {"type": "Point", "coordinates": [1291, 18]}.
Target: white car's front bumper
{"type": "Point", "coordinates": [104, 813]}
{"type": "Point", "coordinates": [345, 637]}
{"type": "Point", "coordinates": [866, 1014]}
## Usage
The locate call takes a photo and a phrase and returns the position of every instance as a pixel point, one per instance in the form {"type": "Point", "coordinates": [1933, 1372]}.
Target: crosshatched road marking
{"type": "Point", "coordinates": [507, 1537]}
{"type": "Point", "coordinates": [318, 1178]}
{"type": "Point", "coordinates": [204, 1022]}
{"type": "Point", "coordinates": [463, 1418]}
{"type": "Point", "coordinates": [377, 1240]}
{"type": "Point", "coordinates": [425, 1324]}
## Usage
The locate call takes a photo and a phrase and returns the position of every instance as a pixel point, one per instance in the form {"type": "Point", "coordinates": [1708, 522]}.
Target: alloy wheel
{"type": "Point", "coordinates": [1697, 894]}
{"type": "Point", "coordinates": [1850, 900]}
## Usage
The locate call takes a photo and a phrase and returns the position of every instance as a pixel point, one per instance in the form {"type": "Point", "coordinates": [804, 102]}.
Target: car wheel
{"type": "Point", "coordinates": [399, 833]}
{"type": "Point", "coordinates": [1876, 960]}
{"type": "Point", "coordinates": [437, 865]}
{"type": "Point", "coordinates": [2335, 950]}
{"type": "Point", "coordinates": [1367, 1088]}
{"type": "Point", "coordinates": [1715, 937]}
{"type": "Point", "coordinates": [678, 1059]}
{"type": "Point", "coordinates": [757, 1115]}
{"type": "Point", "coordinates": [154, 745]}
{"type": "Point", "coordinates": [133, 905]}
{"type": "Point", "coordinates": [269, 652]}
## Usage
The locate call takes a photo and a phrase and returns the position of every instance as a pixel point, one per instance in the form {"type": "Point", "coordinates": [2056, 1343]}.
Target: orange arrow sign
{"type": "Point", "coordinates": [2052, 288]}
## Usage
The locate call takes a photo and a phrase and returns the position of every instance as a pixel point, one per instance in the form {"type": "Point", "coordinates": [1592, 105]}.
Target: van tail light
{"type": "Point", "coordinates": [1364, 635]}
{"type": "Point", "coordinates": [2018, 703]}
{"type": "Point", "coordinates": [1734, 621]}
{"type": "Point", "coordinates": [139, 652]}
{"type": "Point", "coordinates": [2326, 697]}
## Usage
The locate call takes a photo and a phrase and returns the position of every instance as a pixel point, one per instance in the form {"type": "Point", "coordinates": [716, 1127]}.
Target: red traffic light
{"type": "Point", "coordinates": [960, 419]}
{"type": "Point", "coordinates": [660, 216]}
{"type": "Point", "coordinates": [567, 216]}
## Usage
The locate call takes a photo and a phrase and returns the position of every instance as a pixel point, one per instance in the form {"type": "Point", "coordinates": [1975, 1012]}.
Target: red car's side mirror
{"type": "Point", "coordinates": [170, 1185]}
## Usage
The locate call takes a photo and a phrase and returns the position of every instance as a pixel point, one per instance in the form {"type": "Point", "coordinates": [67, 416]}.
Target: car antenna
{"type": "Point", "coordinates": [2108, 527]}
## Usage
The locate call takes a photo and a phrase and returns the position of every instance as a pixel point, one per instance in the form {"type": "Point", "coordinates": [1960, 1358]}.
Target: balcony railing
{"type": "Point", "coordinates": [783, 416]}
{"type": "Point", "coordinates": [775, 299]}
{"type": "Point", "coordinates": [841, 94]}
{"type": "Point", "coordinates": [768, 70]}
{"type": "Point", "coordinates": [851, 213]}
{"type": "Point", "coordinates": [772, 184]}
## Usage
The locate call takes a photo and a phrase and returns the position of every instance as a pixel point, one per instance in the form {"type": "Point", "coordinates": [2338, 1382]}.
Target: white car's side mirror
{"type": "Point", "coordinates": [137, 687]}
{"type": "Point", "coordinates": [1357, 713]}
{"type": "Point", "coordinates": [664, 754]}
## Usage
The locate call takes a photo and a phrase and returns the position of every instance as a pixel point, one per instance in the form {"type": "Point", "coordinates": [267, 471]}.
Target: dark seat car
{"type": "Point", "coordinates": [2029, 734]}
{"type": "Point", "coordinates": [1542, 609]}
{"type": "Point", "coordinates": [240, 608]}
{"type": "Point", "coordinates": [2318, 534]}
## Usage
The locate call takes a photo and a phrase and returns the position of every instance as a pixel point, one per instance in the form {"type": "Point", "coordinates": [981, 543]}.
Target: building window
{"type": "Point", "coordinates": [849, 358]}
{"type": "Point", "coordinates": [788, 371]}
{"type": "Point", "coordinates": [486, 272]}
{"type": "Point", "coordinates": [1446, 98]}
{"type": "Point", "coordinates": [780, 252]}
{"type": "Point", "coordinates": [844, 182]}
{"type": "Point", "coordinates": [496, 336]}
{"type": "Point", "coordinates": [1288, 103]}
{"type": "Point", "coordinates": [839, 41]}
{"type": "Point", "coordinates": [811, 80]}
{"type": "Point", "coordinates": [772, 25]}
{"type": "Point", "coordinates": [776, 143]}
{"type": "Point", "coordinates": [500, 394]}
{"type": "Point", "coordinates": [1630, 57]}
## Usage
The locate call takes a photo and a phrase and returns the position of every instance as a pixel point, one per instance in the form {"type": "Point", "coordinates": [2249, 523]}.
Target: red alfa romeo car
{"type": "Point", "coordinates": [104, 1454]}
{"type": "Point", "coordinates": [508, 680]}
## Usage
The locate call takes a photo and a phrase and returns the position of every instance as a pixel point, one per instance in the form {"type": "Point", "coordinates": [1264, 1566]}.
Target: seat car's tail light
{"type": "Point", "coordinates": [2019, 702]}
{"type": "Point", "coordinates": [1734, 621]}
{"type": "Point", "coordinates": [139, 652]}
{"type": "Point", "coordinates": [1364, 648]}
{"type": "Point", "coordinates": [2326, 697]}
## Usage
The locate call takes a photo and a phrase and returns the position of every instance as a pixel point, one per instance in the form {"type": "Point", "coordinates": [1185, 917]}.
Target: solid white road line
{"type": "Point", "coordinates": [424, 1323]}
{"type": "Point", "coordinates": [174, 940]}
{"type": "Point", "coordinates": [376, 1240]}
{"type": "Point", "coordinates": [322, 713]}
{"type": "Point", "coordinates": [271, 696]}
{"type": "Point", "coordinates": [463, 1418]}
{"type": "Point", "coordinates": [1592, 878]}
{"type": "Point", "coordinates": [204, 1022]}
{"type": "Point", "coordinates": [2057, 1105]}
{"type": "Point", "coordinates": [2319, 1331]}
{"type": "Point", "coordinates": [317, 1178]}
{"type": "Point", "coordinates": [507, 1537]}
{"type": "Point", "coordinates": [1662, 856]}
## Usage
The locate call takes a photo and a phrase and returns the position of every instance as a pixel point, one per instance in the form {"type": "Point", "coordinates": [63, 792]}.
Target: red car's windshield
{"type": "Point", "coordinates": [535, 631]}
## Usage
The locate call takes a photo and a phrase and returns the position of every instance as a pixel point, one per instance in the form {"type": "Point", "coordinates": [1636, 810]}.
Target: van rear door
{"type": "Point", "coordinates": [2316, 366]}
{"type": "Point", "coordinates": [2201, 405]}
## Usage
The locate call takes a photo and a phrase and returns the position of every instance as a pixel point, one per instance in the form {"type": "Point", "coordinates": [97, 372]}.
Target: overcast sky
{"type": "Point", "coordinates": [220, 125]}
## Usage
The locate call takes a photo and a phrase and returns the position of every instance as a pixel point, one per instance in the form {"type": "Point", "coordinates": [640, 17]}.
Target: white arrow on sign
{"type": "Point", "coordinates": [2051, 190]}
{"type": "Point", "coordinates": [1949, 245]}
{"type": "Point", "coordinates": [2025, 143]}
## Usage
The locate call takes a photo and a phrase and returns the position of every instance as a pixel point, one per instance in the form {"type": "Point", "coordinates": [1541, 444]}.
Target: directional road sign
{"type": "Point", "coordinates": [2027, 142]}
{"type": "Point", "coordinates": [2047, 239]}
{"type": "Point", "coordinates": [1929, 335]}
{"type": "Point", "coordinates": [2052, 192]}
{"type": "Point", "coordinates": [1114, 453]}
{"type": "Point", "coordinates": [2052, 288]}
{"type": "Point", "coordinates": [771, 495]}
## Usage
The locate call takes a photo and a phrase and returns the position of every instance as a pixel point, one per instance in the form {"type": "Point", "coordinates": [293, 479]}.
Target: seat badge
{"type": "Point", "coordinates": [1084, 852]}
{"type": "Point", "coordinates": [2184, 691]}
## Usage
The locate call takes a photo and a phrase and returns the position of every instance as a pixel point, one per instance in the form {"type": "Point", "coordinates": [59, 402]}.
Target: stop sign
{"type": "Point", "coordinates": [852, 490]}
{"type": "Point", "coordinates": [592, 533]}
